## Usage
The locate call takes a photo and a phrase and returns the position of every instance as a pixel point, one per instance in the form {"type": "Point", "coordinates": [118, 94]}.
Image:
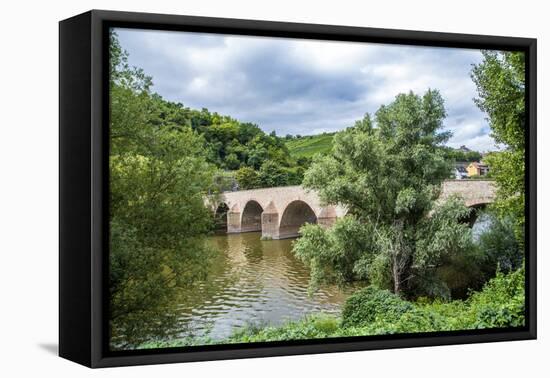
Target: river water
{"type": "Point", "coordinates": [253, 282]}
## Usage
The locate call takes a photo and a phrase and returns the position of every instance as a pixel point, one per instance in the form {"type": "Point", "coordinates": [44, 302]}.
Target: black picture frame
{"type": "Point", "coordinates": [83, 182]}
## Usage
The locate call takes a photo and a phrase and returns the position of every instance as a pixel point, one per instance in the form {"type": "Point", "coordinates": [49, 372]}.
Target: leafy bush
{"type": "Point", "coordinates": [247, 178]}
{"type": "Point", "coordinates": [501, 303]}
{"type": "Point", "coordinates": [332, 253]}
{"type": "Point", "coordinates": [369, 304]}
{"type": "Point", "coordinates": [311, 327]}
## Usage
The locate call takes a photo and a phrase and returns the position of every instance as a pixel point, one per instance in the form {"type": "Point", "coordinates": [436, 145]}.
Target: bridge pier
{"type": "Point", "coordinates": [234, 220]}
{"type": "Point", "coordinates": [270, 222]}
{"type": "Point", "coordinates": [327, 217]}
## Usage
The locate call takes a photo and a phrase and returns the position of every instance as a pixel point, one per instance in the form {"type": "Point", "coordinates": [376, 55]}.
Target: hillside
{"type": "Point", "coordinates": [307, 146]}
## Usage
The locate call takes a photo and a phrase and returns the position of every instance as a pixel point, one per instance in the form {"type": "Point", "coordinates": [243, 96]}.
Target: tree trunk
{"type": "Point", "coordinates": [396, 275]}
{"type": "Point", "coordinates": [401, 258]}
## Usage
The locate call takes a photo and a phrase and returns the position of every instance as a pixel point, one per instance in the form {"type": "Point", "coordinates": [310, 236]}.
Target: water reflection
{"type": "Point", "coordinates": [252, 282]}
{"type": "Point", "coordinates": [482, 224]}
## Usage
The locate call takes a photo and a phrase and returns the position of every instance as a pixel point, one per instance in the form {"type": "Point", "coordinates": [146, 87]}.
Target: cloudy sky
{"type": "Point", "coordinates": [305, 87]}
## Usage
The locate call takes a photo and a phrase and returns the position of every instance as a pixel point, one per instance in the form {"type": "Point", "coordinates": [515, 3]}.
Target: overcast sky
{"type": "Point", "coordinates": [305, 87]}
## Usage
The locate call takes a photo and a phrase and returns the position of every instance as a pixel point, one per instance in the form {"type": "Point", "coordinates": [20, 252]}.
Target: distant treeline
{"type": "Point", "coordinates": [459, 155]}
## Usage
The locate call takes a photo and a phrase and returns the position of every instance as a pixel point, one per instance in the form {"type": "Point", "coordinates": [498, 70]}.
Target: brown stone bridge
{"type": "Point", "coordinates": [280, 212]}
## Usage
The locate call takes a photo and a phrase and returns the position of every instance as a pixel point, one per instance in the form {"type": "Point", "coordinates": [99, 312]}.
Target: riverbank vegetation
{"type": "Point", "coordinates": [371, 311]}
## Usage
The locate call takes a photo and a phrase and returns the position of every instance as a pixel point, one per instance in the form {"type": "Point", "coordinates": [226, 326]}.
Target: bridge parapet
{"type": "Point", "coordinates": [473, 192]}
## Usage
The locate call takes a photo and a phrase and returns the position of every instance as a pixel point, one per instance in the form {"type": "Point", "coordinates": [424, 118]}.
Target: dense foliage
{"type": "Point", "coordinates": [388, 174]}
{"type": "Point", "coordinates": [158, 177]}
{"type": "Point", "coordinates": [368, 304]}
{"type": "Point", "coordinates": [270, 174]}
{"type": "Point", "coordinates": [500, 81]}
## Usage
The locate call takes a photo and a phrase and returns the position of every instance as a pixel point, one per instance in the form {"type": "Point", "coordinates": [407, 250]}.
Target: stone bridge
{"type": "Point", "coordinates": [280, 212]}
{"type": "Point", "coordinates": [475, 193]}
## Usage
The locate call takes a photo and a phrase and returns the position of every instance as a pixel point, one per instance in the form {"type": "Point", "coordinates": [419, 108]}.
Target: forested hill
{"type": "Point", "coordinates": [230, 143]}
{"type": "Point", "coordinates": [241, 149]}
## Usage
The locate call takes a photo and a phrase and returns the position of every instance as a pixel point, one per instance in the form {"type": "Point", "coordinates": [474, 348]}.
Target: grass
{"type": "Point", "coordinates": [307, 146]}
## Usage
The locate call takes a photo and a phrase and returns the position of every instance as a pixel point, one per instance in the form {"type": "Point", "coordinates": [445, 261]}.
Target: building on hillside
{"type": "Point", "coordinates": [477, 169]}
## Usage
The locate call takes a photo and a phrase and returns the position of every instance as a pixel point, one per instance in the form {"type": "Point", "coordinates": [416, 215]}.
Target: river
{"type": "Point", "coordinates": [253, 282]}
{"type": "Point", "coordinates": [261, 283]}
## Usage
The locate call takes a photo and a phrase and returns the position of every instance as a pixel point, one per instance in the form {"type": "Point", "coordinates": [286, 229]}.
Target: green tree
{"type": "Point", "coordinates": [247, 178]}
{"type": "Point", "coordinates": [500, 82]}
{"type": "Point", "coordinates": [158, 177]}
{"type": "Point", "coordinates": [388, 175]}
{"type": "Point", "coordinates": [257, 152]}
{"type": "Point", "coordinates": [232, 161]}
{"type": "Point", "coordinates": [272, 174]}
{"type": "Point", "coordinates": [332, 255]}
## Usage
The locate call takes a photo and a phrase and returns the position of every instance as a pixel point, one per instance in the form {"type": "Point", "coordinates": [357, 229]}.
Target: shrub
{"type": "Point", "coordinates": [310, 327]}
{"type": "Point", "coordinates": [501, 303]}
{"type": "Point", "coordinates": [325, 323]}
{"type": "Point", "coordinates": [368, 304]}
{"type": "Point", "coordinates": [332, 253]}
{"type": "Point", "coordinates": [418, 320]}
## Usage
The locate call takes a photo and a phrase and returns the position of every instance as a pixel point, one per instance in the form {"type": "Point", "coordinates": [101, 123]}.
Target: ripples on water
{"type": "Point", "coordinates": [252, 282]}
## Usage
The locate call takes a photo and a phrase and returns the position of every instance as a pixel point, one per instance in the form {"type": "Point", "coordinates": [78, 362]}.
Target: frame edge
{"type": "Point", "coordinates": [75, 336]}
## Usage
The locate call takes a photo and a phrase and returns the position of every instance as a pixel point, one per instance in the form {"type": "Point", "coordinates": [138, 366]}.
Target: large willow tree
{"type": "Point", "coordinates": [388, 173]}
{"type": "Point", "coordinates": [158, 177]}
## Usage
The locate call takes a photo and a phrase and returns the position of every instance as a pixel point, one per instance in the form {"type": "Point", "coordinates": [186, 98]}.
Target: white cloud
{"type": "Point", "coordinates": [305, 86]}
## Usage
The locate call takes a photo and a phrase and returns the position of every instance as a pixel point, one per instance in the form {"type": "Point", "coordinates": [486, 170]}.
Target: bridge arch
{"type": "Point", "coordinates": [295, 214]}
{"type": "Point", "coordinates": [475, 209]}
{"type": "Point", "coordinates": [220, 216]}
{"type": "Point", "coordinates": [251, 218]}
